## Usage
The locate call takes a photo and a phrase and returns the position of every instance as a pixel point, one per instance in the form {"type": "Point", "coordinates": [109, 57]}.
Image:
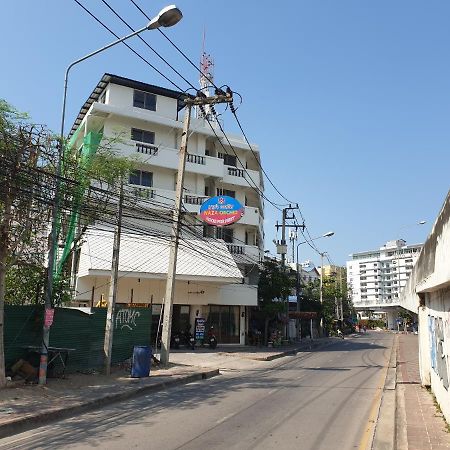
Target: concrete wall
{"type": "Point", "coordinates": [427, 293]}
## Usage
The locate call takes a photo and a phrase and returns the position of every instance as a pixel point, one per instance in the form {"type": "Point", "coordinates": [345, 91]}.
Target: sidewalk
{"type": "Point", "coordinates": [419, 424]}
{"type": "Point", "coordinates": [25, 406]}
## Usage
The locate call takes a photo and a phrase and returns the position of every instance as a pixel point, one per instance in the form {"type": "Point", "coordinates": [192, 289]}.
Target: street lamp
{"type": "Point", "coordinates": [297, 284]}
{"type": "Point", "coordinates": [167, 17]}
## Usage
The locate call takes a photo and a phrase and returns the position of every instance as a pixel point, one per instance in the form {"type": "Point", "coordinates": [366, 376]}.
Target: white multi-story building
{"type": "Point", "coordinates": [375, 277]}
{"type": "Point", "coordinates": [215, 281]}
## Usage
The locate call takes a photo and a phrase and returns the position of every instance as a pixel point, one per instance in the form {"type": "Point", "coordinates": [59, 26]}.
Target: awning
{"type": "Point", "coordinates": [148, 257]}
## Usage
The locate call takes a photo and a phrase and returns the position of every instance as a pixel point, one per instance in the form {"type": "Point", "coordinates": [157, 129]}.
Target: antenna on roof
{"type": "Point", "coordinates": [206, 80]}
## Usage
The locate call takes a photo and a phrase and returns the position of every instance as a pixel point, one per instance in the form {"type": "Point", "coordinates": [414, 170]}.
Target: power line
{"type": "Point", "coordinates": [128, 46]}
{"type": "Point", "coordinates": [145, 42]}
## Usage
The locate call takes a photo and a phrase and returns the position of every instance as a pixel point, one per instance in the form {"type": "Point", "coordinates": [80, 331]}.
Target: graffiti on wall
{"type": "Point", "coordinates": [126, 318]}
{"type": "Point", "coordinates": [438, 329]}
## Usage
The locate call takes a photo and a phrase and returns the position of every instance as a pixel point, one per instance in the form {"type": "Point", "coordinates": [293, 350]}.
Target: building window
{"type": "Point", "coordinates": [142, 136]}
{"type": "Point", "coordinates": [225, 234]}
{"type": "Point", "coordinates": [141, 178]}
{"type": "Point", "coordinates": [226, 192]}
{"type": "Point", "coordinates": [229, 160]}
{"type": "Point", "coordinates": [144, 100]}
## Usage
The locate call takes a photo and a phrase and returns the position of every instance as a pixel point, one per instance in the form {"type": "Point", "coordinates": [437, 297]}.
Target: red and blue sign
{"type": "Point", "coordinates": [221, 211]}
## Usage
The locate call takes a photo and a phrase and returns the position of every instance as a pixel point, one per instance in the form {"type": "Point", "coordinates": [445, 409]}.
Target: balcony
{"type": "Point", "coordinates": [146, 149]}
{"type": "Point", "coordinates": [196, 159]}
{"type": "Point", "coordinates": [192, 202]}
{"type": "Point", "coordinates": [244, 254]}
{"type": "Point", "coordinates": [241, 177]}
{"type": "Point", "coordinates": [235, 172]}
{"type": "Point", "coordinates": [161, 156]}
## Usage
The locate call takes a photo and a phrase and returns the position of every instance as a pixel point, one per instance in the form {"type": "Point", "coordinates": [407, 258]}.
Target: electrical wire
{"type": "Point", "coordinates": [146, 43]}
{"type": "Point", "coordinates": [128, 46]}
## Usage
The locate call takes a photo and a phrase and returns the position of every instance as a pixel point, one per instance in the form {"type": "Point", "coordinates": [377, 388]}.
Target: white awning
{"type": "Point", "coordinates": [148, 257]}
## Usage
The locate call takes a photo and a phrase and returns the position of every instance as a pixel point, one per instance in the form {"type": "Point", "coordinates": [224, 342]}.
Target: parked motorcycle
{"type": "Point", "coordinates": [189, 340]}
{"type": "Point", "coordinates": [211, 339]}
{"type": "Point", "coordinates": [175, 341]}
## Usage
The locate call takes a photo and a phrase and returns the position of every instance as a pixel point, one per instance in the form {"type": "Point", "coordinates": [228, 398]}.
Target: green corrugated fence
{"type": "Point", "coordinates": [73, 328]}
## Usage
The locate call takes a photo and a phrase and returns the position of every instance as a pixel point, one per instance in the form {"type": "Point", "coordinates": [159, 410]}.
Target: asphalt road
{"type": "Point", "coordinates": [326, 399]}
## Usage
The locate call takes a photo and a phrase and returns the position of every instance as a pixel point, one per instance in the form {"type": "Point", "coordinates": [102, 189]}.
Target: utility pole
{"type": "Point", "coordinates": [109, 327]}
{"type": "Point", "coordinates": [321, 290]}
{"type": "Point", "coordinates": [200, 100]}
{"type": "Point", "coordinates": [283, 250]}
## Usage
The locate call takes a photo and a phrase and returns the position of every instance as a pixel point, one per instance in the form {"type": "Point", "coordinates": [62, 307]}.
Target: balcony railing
{"type": "Point", "coordinates": [236, 172]}
{"type": "Point", "coordinates": [146, 149]}
{"type": "Point", "coordinates": [145, 193]}
{"type": "Point", "coordinates": [196, 159]}
{"type": "Point", "coordinates": [236, 249]}
{"type": "Point", "coordinates": [194, 199]}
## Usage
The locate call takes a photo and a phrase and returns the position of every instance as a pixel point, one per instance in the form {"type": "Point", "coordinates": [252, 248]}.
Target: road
{"type": "Point", "coordinates": [326, 399]}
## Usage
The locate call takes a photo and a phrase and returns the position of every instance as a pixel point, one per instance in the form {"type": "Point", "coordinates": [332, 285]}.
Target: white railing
{"type": "Point", "coordinates": [146, 149]}
{"type": "Point", "coordinates": [196, 159]}
{"type": "Point", "coordinates": [194, 199]}
{"type": "Point", "coordinates": [233, 171]}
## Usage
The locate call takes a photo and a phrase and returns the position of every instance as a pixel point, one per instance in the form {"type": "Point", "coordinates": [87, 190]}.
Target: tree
{"type": "Point", "coordinates": [28, 158]}
{"type": "Point", "coordinates": [274, 285]}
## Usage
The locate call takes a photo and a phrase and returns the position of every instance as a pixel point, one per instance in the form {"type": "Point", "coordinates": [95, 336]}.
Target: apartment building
{"type": "Point", "coordinates": [217, 267]}
{"type": "Point", "coordinates": [375, 277]}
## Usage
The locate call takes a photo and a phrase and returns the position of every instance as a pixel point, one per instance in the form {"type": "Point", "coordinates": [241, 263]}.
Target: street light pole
{"type": "Point", "coordinates": [298, 278]}
{"type": "Point", "coordinates": [167, 17]}
{"type": "Point", "coordinates": [321, 289]}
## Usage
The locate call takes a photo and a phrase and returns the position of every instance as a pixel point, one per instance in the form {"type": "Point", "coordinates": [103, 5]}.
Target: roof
{"type": "Point", "coordinates": [127, 82]}
{"type": "Point", "coordinates": [148, 257]}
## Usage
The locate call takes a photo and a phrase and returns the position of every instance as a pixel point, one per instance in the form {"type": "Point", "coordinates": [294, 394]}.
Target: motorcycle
{"type": "Point", "coordinates": [189, 340]}
{"type": "Point", "coordinates": [175, 341]}
{"type": "Point", "coordinates": [211, 339]}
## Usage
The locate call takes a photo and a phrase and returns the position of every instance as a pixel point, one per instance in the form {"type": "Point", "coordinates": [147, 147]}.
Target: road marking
{"type": "Point", "coordinates": [223, 419]}
{"type": "Point", "coordinates": [376, 402]}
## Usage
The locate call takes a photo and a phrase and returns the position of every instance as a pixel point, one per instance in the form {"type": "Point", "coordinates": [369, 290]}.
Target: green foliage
{"type": "Point", "coordinates": [25, 284]}
{"type": "Point", "coordinates": [273, 287]}
{"type": "Point", "coordinates": [29, 157]}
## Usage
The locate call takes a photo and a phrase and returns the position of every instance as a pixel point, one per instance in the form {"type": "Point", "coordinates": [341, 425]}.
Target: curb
{"type": "Point", "coordinates": [293, 351]}
{"type": "Point", "coordinates": [21, 424]}
{"type": "Point", "coordinates": [384, 437]}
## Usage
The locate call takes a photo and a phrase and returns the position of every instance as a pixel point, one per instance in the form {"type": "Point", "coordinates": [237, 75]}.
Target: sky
{"type": "Point", "coordinates": [348, 100]}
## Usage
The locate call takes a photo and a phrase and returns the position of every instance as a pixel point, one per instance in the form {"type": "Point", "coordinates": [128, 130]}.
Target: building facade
{"type": "Point", "coordinates": [145, 123]}
{"type": "Point", "coordinates": [375, 277]}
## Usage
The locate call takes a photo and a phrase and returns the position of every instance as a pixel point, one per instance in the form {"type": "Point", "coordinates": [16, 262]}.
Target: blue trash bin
{"type": "Point", "coordinates": [140, 366]}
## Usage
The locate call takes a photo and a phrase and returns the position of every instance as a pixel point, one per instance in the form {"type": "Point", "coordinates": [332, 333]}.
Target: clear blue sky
{"type": "Point", "coordinates": [348, 100]}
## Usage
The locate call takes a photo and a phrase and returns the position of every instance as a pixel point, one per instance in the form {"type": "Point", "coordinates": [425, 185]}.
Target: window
{"type": "Point", "coordinates": [141, 178]}
{"type": "Point", "coordinates": [142, 136]}
{"type": "Point", "coordinates": [226, 192]}
{"type": "Point", "coordinates": [229, 160]}
{"type": "Point", "coordinates": [144, 100]}
{"type": "Point", "coordinates": [225, 233]}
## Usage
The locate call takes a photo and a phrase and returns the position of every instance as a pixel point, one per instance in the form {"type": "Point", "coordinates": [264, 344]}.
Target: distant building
{"type": "Point", "coordinates": [333, 271]}
{"type": "Point", "coordinates": [375, 277]}
{"type": "Point", "coordinates": [308, 273]}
